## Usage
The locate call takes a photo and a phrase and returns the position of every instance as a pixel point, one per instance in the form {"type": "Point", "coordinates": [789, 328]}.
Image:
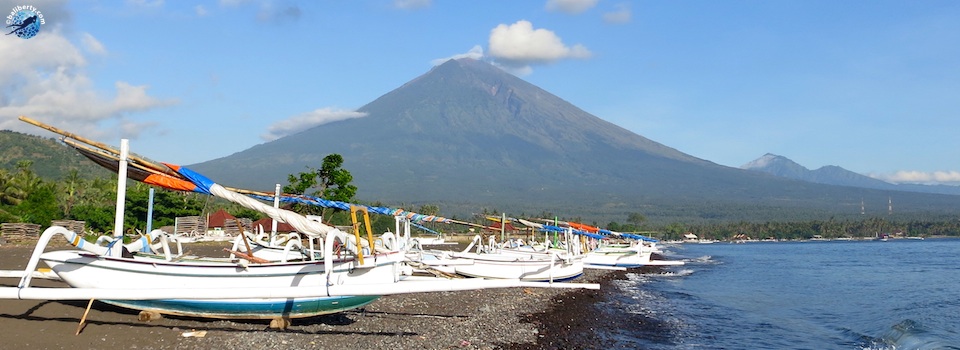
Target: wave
{"type": "Point", "coordinates": [907, 334]}
{"type": "Point", "coordinates": [679, 273]}
{"type": "Point", "coordinates": [706, 259]}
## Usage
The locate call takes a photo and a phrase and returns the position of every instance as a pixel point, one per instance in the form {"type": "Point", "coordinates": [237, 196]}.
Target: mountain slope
{"type": "Point", "coordinates": [49, 158]}
{"type": "Point", "coordinates": [465, 124]}
{"type": "Point", "coordinates": [835, 175]}
{"type": "Point", "coordinates": [474, 138]}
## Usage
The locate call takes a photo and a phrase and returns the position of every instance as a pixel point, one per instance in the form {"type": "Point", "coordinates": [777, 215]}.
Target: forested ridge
{"type": "Point", "coordinates": [43, 180]}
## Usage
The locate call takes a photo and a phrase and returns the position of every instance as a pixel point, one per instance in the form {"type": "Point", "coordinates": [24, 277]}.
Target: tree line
{"type": "Point", "coordinates": [867, 227]}
{"type": "Point", "coordinates": [26, 197]}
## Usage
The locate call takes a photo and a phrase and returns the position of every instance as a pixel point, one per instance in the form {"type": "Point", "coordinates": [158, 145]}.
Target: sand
{"type": "Point", "coordinates": [511, 318]}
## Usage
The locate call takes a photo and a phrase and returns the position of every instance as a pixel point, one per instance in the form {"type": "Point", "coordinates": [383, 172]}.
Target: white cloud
{"type": "Point", "coordinates": [570, 6]}
{"type": "Point", "coordinates": [621, 14]}
{"type": "Point", "coordinates": [200, 10]}
{"type": "Point", "coordinates": [44, 78]}
{"type": "Point", "coordinates": [912, 176]}
{"type": "Point", "coordinates": [476, 52]}
{"type": "Point", "coordinates": [411, 4]}
{"type": "Point", "coordinates": [308, 120]}
{"type": "Point", "coordinates": [92, 45]}
{"type": "Point", "coordinates": [520, 44]}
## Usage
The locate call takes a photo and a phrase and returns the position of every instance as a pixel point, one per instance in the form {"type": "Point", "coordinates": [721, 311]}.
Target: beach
{"type": "Point", "coordinates": [510, 318]}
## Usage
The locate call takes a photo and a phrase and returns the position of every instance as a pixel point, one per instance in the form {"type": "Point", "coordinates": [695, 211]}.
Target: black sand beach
{"type": "Point", "coordinates": [512, 318]}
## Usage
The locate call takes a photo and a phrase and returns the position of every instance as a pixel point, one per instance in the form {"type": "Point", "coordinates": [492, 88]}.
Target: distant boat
{"type": "Point", "coordinates": [499, 261]}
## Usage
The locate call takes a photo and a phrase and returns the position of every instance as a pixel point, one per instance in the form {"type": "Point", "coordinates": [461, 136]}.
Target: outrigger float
{"type": "Point", "coordinates": [148, 276]}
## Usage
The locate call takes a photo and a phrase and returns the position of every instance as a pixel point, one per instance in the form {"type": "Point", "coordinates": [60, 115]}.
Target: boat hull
{"type": "Point", "coordinates": [627, 258]}
{"type": "Point", "coordinates": [509, 266]}
{"type": "Point", "coordinates": [248, 308]}
{"type": "Point", "coordinates": [84, 270]}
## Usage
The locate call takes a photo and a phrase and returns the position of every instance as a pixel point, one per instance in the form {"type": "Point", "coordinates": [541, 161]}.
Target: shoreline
{"type": "Point", "coordinates": [509, 318]}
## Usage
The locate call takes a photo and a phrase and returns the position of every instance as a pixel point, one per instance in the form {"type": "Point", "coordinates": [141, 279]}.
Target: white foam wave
{"type": "Point", "coordinates": [706, 259]}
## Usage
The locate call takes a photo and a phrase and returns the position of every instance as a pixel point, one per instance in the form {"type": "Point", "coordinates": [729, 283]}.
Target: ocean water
{"type": "Point", "coordinates": [898, 294]}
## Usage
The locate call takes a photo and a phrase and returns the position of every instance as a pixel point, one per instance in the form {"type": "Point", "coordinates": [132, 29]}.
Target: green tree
{"type": "Point", "coordinates": [674, 231]}
{"type": "Point", "coordinates": [636, 219]}
{"type": "Point", "coordinates": [25, 197]}
{"type": "Point", "coordinates": [330, 182]}
{"type": "Point", "coordinates": [429, 209]}
{"type": "Point", "coordinates": [70, 189]}
{"type": "Point", "coordinates": [40, 205]}
{"type": "Point", "coordinates": [98, 218]}
{"type": "Point", "coordinates": [10, 192]}
{"type": "Point", "coordinates": [167, 206]}
{"type": "Point", "coordinates": [25, 178]}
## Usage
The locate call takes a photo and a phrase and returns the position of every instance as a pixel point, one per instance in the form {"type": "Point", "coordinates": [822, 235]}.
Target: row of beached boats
{"type": "Point", "coordinates": [318, 270]}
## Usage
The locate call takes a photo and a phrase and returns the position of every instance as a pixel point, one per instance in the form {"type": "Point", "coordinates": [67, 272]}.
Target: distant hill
{"type": "Point", "coordinates": [835, 175]}
{"type": "Point", "coordinates": [50, 158]}
{"type": "Point", "coordinates": [471, 138]}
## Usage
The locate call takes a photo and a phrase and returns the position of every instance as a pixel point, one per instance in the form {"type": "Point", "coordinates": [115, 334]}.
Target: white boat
{"type": "Point", "coordinates": [517, 264]}
{"type": "Point", "coordinates": [85, 270]}
{"type": "Point", "coordinates": [628, 251]}
{"type": "Point", "coordinates": [356, 273]}
{"type": "Point", "coordinates": [622, 255]}
{"type": "Point", "coordinates": [628, 255]}
{"type": "Point", "coordinates": [495, 261]}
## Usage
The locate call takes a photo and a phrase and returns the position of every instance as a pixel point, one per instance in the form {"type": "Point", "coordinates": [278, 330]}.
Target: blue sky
{"type": "Point", "coordinates": [870, 86]}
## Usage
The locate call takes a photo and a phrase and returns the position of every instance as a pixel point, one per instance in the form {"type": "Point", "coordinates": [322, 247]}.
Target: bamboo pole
{"type": "Point", "coordinates": [245, 242]}
{"type": "Point", "coordinates": [100, 145]}
{"type": "Point", "coordinates": [84, 318]}
{"type": "Point", "coordinates": [114, 157]}
{"type": "Point", "coordinates": [143, 164]}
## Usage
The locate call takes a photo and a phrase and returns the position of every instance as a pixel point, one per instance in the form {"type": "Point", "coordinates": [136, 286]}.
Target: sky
{"type": "Point", "coordinates": [872, 86]}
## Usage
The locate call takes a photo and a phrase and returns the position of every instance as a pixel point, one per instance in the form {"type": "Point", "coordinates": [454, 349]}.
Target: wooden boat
{"type": "Point", "coordinates": [85, 270]}
{"type": "Point", "coordinates": [499, 261]}
{"type": "Point", "coordinates": [628, 255]}
{"type": "Point", "coordinates": [531, 266]}
{"type": "Point", "coordinates": [355, 274]}
{"type": "Point", "coordinates": [614, 249]}
{"type": "Point", "coordinates": [622, 255]}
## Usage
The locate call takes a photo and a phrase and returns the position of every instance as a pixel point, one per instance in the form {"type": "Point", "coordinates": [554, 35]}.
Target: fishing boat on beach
{"type": "Point", "coordinates": [612, 249]}
{"type": "Point", "coordinates": [503, 261]}
{"type": "Point", "coordinates": [350, 271]}
{"type": "Point", "coordinates": [626, 254]}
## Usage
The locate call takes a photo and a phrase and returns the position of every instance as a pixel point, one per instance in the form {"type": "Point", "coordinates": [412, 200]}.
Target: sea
{"type": "Point", "coordinates": [895, 294]}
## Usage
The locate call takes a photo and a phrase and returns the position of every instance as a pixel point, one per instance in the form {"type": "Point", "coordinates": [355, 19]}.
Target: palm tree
{"type": "Point", "coordinates": [70, 189]}
{"type": "Point", "coordinates": [10, 191]}
{"type": "Point", "coordinates": [25, 178]}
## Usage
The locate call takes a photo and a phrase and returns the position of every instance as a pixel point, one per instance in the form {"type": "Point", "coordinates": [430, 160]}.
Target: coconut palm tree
{"type": "Point", "coordinates": [10, 191]}
{"type": "Point", "coordinates": [70, 189]}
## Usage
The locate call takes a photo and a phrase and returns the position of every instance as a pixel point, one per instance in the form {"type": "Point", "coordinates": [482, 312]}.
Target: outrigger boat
{"type": "Point", "coordinates": [503, 262]}
{"type": "Point", "coordinates": [508, 260]}
{"type": "Point", "coordinates": [613, 249]}
{"type": "Point", "coordinates": [356, 274]}
{"type": "Point", "coordinates": [626, 254]}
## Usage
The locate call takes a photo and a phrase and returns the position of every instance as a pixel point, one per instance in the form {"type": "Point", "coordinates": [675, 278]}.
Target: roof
{"type": "Point", "coordinates": [267, 224]}
{"type": "Point", "coordinates": [496, 227]}
{"type": "Point", "coordinates": [217, 219]}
